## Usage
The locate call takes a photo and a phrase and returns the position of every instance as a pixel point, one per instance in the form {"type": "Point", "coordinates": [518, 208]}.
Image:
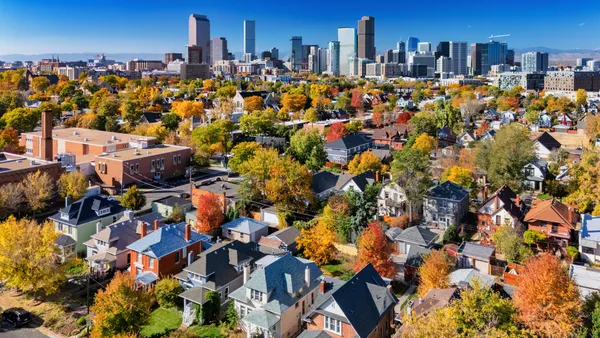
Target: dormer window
{"type": "Point", "coordinates": [256, 295]}
{"type": "Point", "coordinates": [102, 212]}
{"type": "Point", "coordinates": [64, 215]}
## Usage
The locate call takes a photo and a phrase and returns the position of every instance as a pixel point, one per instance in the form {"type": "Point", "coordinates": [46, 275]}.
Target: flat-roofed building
{"type": "Point", "coordinates": [570, 81]}
{"type": "Point", "coordinates": [14, 168]}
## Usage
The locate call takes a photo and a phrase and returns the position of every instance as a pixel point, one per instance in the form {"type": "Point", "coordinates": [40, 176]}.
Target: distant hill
{"type": "Point", "coordinates": [121, 57]}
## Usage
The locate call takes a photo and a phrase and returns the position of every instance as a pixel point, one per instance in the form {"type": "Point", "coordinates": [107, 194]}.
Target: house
{"type": "Point", "coordinates": [150, 117]}
{"type": "Point", "coordinates": [464, 277]}
{"type": "Point", "coordinates": [225, 190]}
{"type": "Point", "coordinates": [280, 242]}
{"type": "Point", "coordinates": [393, 136]}
{"type": "Point", "coordinates": [268, 99]}
{"type": "Point", "coordinates": [223, 268]}
{"type": "Point", "coordinates": [414, 259]}
{"type": "Point", "coordinates": [245, 230]}
{"type": "Point", "coordinates": [504, 207]}
{"type": "Point", "coordinates": [586, 278]}
{"type": "Point", "coordinates": [445, 204]}
{"type": "Point", "coordinates": [275, 297]}
{"type": "Point", "coordinates": [343, 150]}
{"type": "Point", "coordinates": [326, 183]}
{"type": "Point", "coordinates": [535, 173]}
{"type": "Point", "coordinates": [166, 205]}
{"type": "Point", "coordinates": [466, 139]}
{"type": "Point", "coordinates": [489, 135]}
{"type": "Point", "coordinates": [435, 299]}
{"type": "Point", "coordinates": [361, 307]}
{"type": "Point", "coordinates": [323, 184]}
{"type": "Point", "coordinates": [392, 202]}
{"type": "Point", "coordinates": [85, 217]}
{"type": "Point", "coordinates": [544, 145]}
{"type": "Point", "coordinates": [555, 220]}
{"type": "Point", "coordinates": [545, 121]}
{"type": "Point", "coordinates": [589, 238]}
{"type": "Point", "coordinates": [416, 235]}
{"type": "Point", "coordinates": [107, 249]}
{"type": "Point", "coordinates": [476, 256]}
{"type": "Point", "coordinates": [385, 155]}
{"type": "Point", "coordinates": [405, 101]}
{"type": "Point", "coordinates": [165, 251]}
{"type": "Point", "coordinates": [565, 120]}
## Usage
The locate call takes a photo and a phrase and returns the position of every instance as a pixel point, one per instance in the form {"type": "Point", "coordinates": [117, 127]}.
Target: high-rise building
{"type": "Point", "coordinates": [444, 64]}
{"type": "Point", "coordinates": [592, 65]}
{"type": "Point", "coordinates": [476, 57]}
{"type": "Point", "coordinates": [401, 46]}
{"type": "Point", "coordinates": [250, 37]}
{"type": "Point", "coordinates": [510, 57]}
{"type": "Point", "coordinates": [306, 51]}
{"type": "Point", "coordinates": [581, 62]}
{"type": "Point", "coordinates": [347, 40]}
{"type": "Point", "coordinates": [296, 53]}
{"type": "Point", "coordinates": [333, 60]}
{"type": "Point", "coordinates": [219, 49]}
{"type": "Point", "coordinates": [195, 55]}
{"type": "Point", "coordinates": [170, 57]}
{"type": "Point", "coordinates": [424, 47]}
{"type": "Point", "coordinates": [569, 81]}
{"type": "Point", "coordinates": [533, 62]}
{"type": "Point", "coordinates": [399, 56]}
{"type": "Point", "coordinates": [457, 50]}
{"type": "Point", "coordinates": [199, 35]}
{"type": "Point", "coordinates": [388, 56]}
{"type": "Point", "coordinates": [497, 53]}
{"type": "Point", "coordinates": [323, 54]}
{"type": "Point", "coordinates": [486, 55]}
{"type": "Point", "coordinates": [443, 49]}
{"type": "Point", "coordinates": [412, 44]}
{"type": "Point", "coordinates": [274, 53]}
{"type": "Point", "coordinates": [366, 38]}
{"type": "Point", "coordinates": [313, 63]}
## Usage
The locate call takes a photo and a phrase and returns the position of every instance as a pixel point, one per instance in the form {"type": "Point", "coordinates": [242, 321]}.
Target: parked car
{"type": "Point", "coordinates": [16, 316]}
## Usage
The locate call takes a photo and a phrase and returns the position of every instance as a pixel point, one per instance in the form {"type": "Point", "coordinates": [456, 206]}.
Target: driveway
{"type": "Point", "coordinates": [7, 331]}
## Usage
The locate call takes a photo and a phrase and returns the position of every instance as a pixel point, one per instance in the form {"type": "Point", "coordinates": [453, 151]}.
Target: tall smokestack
{"type": "Point", "coordinates": [46, 151]}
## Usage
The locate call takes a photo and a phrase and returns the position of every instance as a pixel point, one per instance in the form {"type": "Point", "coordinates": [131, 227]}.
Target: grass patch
{"type": "Point", "coordinates": [161, 322]}
{"type": "Point", "coordinates": [207, 331]}
{"type": "Point", "coordinates": [76, 267]}
{"type": "Point", "coordinates": [544, 196]}
{"type": "Point", "coordinates": [408, 299]}
{"type": "Point", "coordinates": [340, 267]}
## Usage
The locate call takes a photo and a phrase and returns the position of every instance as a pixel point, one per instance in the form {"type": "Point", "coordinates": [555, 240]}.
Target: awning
{"type": "Point", "coordinates": [102, 258]}
{"type": "Point", "coordinates": [146, 278]}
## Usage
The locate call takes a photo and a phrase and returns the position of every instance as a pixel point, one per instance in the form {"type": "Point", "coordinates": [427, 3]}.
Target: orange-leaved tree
{"type": "Point", "coordinates": [434, 272]}
{"type": "Point", "coordinates": [336, 132]}
{"type": "Point", "coordinates": [317, 243]}
{"type": "Point", "coordinates": [547, 299]}
{"type": "Point", "coordinates": [374, 248]}
{"type": "Point", "coordinates": [252, 103]}
{"type": "Point", "coordinates": [293, 102]}
{"type": "Point", "coordinates": [210, 212]}
{"type": "Point", "coordinates": [364, 162]}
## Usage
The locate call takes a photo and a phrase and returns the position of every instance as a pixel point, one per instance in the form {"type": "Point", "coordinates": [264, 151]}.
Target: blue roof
{"type": "Point", "coordinates": [245, 225]}
{"type": "Point", "coordinates": [165, 240]}
{"type": "Point", "coordinates": [590, 227]}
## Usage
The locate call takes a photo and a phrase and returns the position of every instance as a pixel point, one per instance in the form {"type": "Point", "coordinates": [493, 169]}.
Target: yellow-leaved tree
{"type": "Point", "coordinates": [424, 143]}
{"type": "Point", "coordinates": [434, 272]}
{"type": "Point", "coordinates": [27, 256]}
{"type": "Point", "coordinates": [459, 175]}
{"type": "Point", "coordinates": [364, 162]}
{"type": "Point", "coordinates": [317, 243]}
{"type": "Point", "coordinates": [73, 184]}
{"type": "Point", "coordinates": [186, 109]}
{"type": "Point", "coordinates": [252, 103]}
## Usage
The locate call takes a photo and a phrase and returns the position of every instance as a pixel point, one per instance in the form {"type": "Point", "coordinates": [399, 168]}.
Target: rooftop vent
{"type": "Point", "coordinates": [107, 141]}
{"type": "Point", "coordinates": [75, 133]}
{"type": "Point", "coordinates": [85, 139]}
{"type": "Point", "coordinates": [114, 138]}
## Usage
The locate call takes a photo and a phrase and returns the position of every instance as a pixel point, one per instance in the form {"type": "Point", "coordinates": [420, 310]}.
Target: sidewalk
{"type": "Point", "coordinates": [411, 288]}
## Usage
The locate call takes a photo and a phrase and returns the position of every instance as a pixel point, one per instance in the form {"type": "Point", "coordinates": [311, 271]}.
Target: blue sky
{"type": "Point", "coordinates": [129, 26]}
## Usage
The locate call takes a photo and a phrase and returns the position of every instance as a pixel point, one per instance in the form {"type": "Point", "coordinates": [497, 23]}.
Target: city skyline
{"type": "Point", "coordinates": [134, 27]}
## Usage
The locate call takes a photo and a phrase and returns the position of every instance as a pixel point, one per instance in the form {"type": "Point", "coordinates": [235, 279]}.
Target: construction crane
{"type": "Point", "coordinates": [498, 36]}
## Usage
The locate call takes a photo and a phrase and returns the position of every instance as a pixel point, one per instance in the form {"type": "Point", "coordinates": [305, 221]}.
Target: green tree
{"type": "Point", "coordinates": [364, 209]}
{"type": "Point", "coordinates": [212, 308]}
{"type": "Point", "coordinates": [171, 121]}
{"type": "Point", "coordinates": [311, 115]}
{"type": "Point", "coordinates": [258, 122]}
{"type": "Point", "coordinates": [410, 167]}
{"type": "Point", "coordinates": [167, 292]}
{"type": "Point", "coordinates": [21, 119]}
{"type": "Point", "coordinates": [510, 243]}
{"type": "Point", "coordinates": [133, 198]}
{"type": "Point", "coordinates": [531, 237]}
{"type": "Point", "coordinates": [40, 83]}
{"type": "Point", "coordinates": [130, 111]}
{"type": "Point", "coordinates": [242, 152]}
{"type": "Point", "coordinates": [306, 146]}
{"type": "Point", "coordinates": [226, 92]}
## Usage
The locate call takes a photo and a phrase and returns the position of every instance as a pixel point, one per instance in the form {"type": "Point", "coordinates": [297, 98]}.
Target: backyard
{"type": "Point", "coordinates": [341, 267]}
{"type": "Point", "coordinates": [161, 322]}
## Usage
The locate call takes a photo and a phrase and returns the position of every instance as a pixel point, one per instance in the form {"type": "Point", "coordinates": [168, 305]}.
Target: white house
{"type": "Point", "coordinates": [245, 230]}
{"type": "Point", "coordinates": [589, 238]}
{"type": "Point", "coordinates": [535, 174]}
{"type": "Point", "coordinates": [391, 201]}
{"type": "Point", "coordinates": [544, 145]}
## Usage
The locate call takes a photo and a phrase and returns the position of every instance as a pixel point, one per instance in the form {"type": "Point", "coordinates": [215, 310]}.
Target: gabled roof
{"type": "Point", "coordinates": [323, 181]}
{"type": "Point", "coordinates": [171, 201]}
{"type": "Point", "coordinates": [508, 199]}
{"type": "Point", "coordinates": [462, 277]}
{"type": "Point", "coordinates": [245, 225]}
{"type": "Point", "coordinates": [361, 180]}
{"type": "Point", "coordinates": [389, 132]}
{"type": "Point", "coordinates": [552, 211]}
{"type": "Point", "coordinates": [126, 231]}
{"type": "Point", "coordinates": [417, 235]}
{"type": "Point", "coordinates": [415, 254]}
{"type": "Point", "coordinates": [286, 235]}
{"type": "Point", "coordinates": [475, 250]}
{"type": "Point", "coordinates": [548, 141]}
{"type": "Point", "coordinates": [435, 299]}
{"type": "Point", "coordinates": [348, 142]}
{"type": "Point", "coordinates": [151, 117]}
{"type": "Point", "coordinates": [314, 334]}
{"type": "Point", "coordinates": [449, 191]}
{"type": "Point", "coordinates": [85, 210]}
{"type": "Point", "coordinates": [364, 300]}
{"type": "Point", "coordinates": [246, 94]}
{"type": "Point", "coordinates": [166, 240]}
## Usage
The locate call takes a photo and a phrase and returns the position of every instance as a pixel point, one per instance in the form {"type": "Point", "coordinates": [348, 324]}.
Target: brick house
{"type": "Point", "coordinates": [361, 307]}
{"type": "Point", "coordinates": [502, 208]}
{"type": "Point", "coordinates": [555, 220]}
{"type": "Point", "coordinates": [393, 136]}
{"type": "Point", "coordinates": [165, 251]}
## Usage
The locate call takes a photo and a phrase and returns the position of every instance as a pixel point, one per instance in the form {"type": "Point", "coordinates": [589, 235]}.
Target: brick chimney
{"type": "Point", "coordinates": [496, 204]}
{"type": "Point", "coordinates": [377, 176]}
{"type": "Point", "coordinates": [46, 148]}
{"type": "Point", "coordinates": [155, 224]}
{"type": "Point", "coordinates": [322, 286]}
{"type": "Point", "coordinates": [188, 235]}
{"type": "Point", "coordinates": [518, 201]}
{"type": "Point", "coordinates": [142, 226]}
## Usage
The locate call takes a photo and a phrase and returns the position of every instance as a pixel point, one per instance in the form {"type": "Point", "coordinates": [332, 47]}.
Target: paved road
{"type": "Point", "coordinates": [23, 332]}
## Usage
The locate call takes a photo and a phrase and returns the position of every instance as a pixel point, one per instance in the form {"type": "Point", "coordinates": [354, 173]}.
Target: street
{"type": "Point", "coordinates": [8, 331]}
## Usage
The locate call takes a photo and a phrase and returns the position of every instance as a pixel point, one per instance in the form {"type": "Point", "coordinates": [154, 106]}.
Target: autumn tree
{"type": "Point", "coordinates": [257, 169]}
{"type": "Point", "coordinates": [9, 141]}
{"type": "Point", "coordinates": [510, 243]}
{"type": "Point", "coordinates": [258, 122]}
{"type": "Point", "coordinates": [40, 83]}
{"type": "Point", "coordinates": [592, 126]}
{"type": "Point", "coordinates": [133, 198]}
{"type": "Point", "coordinates": [167, 292]}
{"type": "Point", "coordinates": [252, 103]}
{"type": "Point", "coordinates": [506, 103]}
{"type": "Point", "coordinates": [336, 132]}
{"type": "Point", "coordinates": [424, 143]}
{"type": "Point", "coordinates": [547, 299]}
{"type": "Point", "coordinates": [471, 108]}
{"type": "Point", "coordinates": [587, 176]}
{"type": "Point", "coordinates": [210, 213]}
{"type": "Point", "coordinates": [306, 146]}
{"type": "Point", "coordinates": [121, 308]}
{"type": "Point", "coordinates": [21, 119]}
{"type": "Point", "coordinates": [410, 168]}
{"type": "Point", "coordinates": [226, 92]}
{"type": "Point", "coordinates": [459, 175]}
{"type": "Point", "coordinates": [242, 152]}
{"type": "Point", "coordinates": [152, 130]}
{"type": "Point", "coordinates": [357, 100]}
{"type": "Point", "coordinates": [311, 115]}
{"type": "Point", "coordinates": [317, 243]}
{"type": "Point", "coordinates": [289, 184]}
{"type": "Point", "coordinates": [434, 272]}
{"type": "Point", "coordinates": [37, 189]}
{"type": "Point", "coordinates": [187, 109]}
{"type": "Point", "coordinates": [293, 102]}
{"type": "Point", "coordinates": [73, 184]}
{"type": "Point", "coordinates": [131, 112]}
{"type": "Point", "coordinates": [364, 162]}
{"type": "Point", "coordinates": [170, 121]}
{"type": "Point", "coordinates": [404, 117]}
{"type": "Point", "coordinates": [581, 97]}
{"type": "Point", "coordinates": [353, 126]}
{"type": "Point", "coordinates": [28, 256]}
{"type": "Point", "coordinates": [374, 248]}
{"type": "Point", "coordinates": [377, 119]}
{"type": "Point", "coordinates": [11, 197]}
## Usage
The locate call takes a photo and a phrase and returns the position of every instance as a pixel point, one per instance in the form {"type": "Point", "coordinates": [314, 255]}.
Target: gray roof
{"type": "Point", "coordinates": [415, 254]}
{"type": "Point", "coordinates": [391, 233]}
{"type": "Point", "coordinates": [84, 210]}
{"type": "Point", "coordinates": [195, 294]}
{"type": "Point", "coordinates": [590, 228]}
{"type": "Point", "coordinates": [476, 250]}
{"type": "Point", "coordinates": [171, 201]}
{"type": "Point", "coordinates": [348, 142]}
{"type": "Point", "coordinates": [245, 225]}
{"type": "Point", "coordinates": [449, 191]}
{"type": "Point", "coordinates": [323, 181]}
{"type": "Point", "coordinates": [462, 277]}
{"type": "Point", "coordinates": [314, 334]}
{"type": "Point", "coordinates": [286, 235]}
{"type": "Point", "coordinates": [64, 240]}
{"type": "Point", "coordinates": [261, 318]}
{"type": "Point", "coordinates": [417, 235]}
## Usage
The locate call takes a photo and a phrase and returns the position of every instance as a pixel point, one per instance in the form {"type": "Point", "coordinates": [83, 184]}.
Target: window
{"type": "Point", "coordinates": [178, 159]}
{"type": "Point", "coordinates": [226, 291]}
{"type": "Point", "coordinates": [333, 325]}
{"type": "Point", "coordinates": [174, 159]}
{"type": "Point", "coordinates": [498, 219]}
{"type": "Point", "coordinates": [387, 195]}
{"type": "Point", "coordinates": [152, 166]}
{"type": "Point", "coordinates": [162, 164]}
{"type": "Point", "coordinates": [129, 258]}
{"type": "Point", "coordinates": [131, 168]}
{"type": "Point", "coordinates": [177, 256]}
{"type": "Point", "coordinates": [587, 250]}
{"type": "Point", "coordinates": [256, 295]}
{"type": "Point", "coordinates": [554, 228]}
{"type": "Point", "coordinates": [312, 298]}
{"type": "Point", "coordinates": [151, 263]}
{"type": "Point", "coordinates": [137, 167]}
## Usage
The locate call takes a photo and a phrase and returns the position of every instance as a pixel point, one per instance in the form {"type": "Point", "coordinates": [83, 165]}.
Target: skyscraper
{"type": "Point", "coordinates": [457, 50]}
{"type": "Point", "coordinates": [323, 53]}
{"type": "Point", "coordinates": [443, 49]}
{"type": "Point", "coordinates": [296, 53]}
{"type": "Point", "coordinates": [424, 47]}
{"type": "Point", "coordinates": [486, 55]}
{"type": "Point", "coordinates": [199, 35]}
{"type": "Point", "coordinates": [347, 40]}
{"type": "Point", "coordinates": [477, 51]}
{"type": "Point", "coordinates": [412, 44]}
{"type": "Point", "coordinates": [401, 46]}
{"type": "Point", "coordinates": [333, 60]}
{"type": "Point", "coordinates": [274, 53]}
{"type": "Point", "coordinates": [366, 38]}
{"type": "Point", "coordinates": [219, 49]}
{"type": "Point", "coordinates": [534, 62]}
{"type": "Point", "coordinates": [250, 37]}
{"type": "Point", "coordinates": [388, 56]}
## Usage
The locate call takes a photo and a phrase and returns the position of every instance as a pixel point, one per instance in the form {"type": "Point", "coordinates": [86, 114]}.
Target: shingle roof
{"type": "Point", "coordinates": [508, 199]}
{"type": "Point", "coordinates": [166, 240]}
{"type": "Point", "coordinates": [361, 180]}
{"type": "Point", "coordinates": [286, 235]}
{"type": "Point", "coordinates": [415, 254]}
{"type": "Point", "coordinates": [548, 141]}
{"type": "Point", "coordinates": [348, 142]}
{"type": "Point", "coordinates": [476, 250]}
{"type": "Point", "coordinates": [245, 225]}
{"type": "Point", "coordinates": [171, 201]}
{"type": "Point", "coordinates": [261, 318]}
{"type": "Point", "coordinates": [462, 277]}
{"type": "Point", "coordinates": [314, 334]}
{"type": "Point", "coordinates": [435, 299]}
{"type": "Point", "coordinates": [84, 210]}
{"type": "Point", "coordinates": [417, 235]}
{"type": "Point", "coordinates": [448, 190]}
{"type": "Point", "coordinates": [552, 211]}
{"type": "Point", "coordinates": [64, 240]}
{"type": "Point", "coordinates": [152, 117]}
{"type": "Point", "coordinates": [323, 181]}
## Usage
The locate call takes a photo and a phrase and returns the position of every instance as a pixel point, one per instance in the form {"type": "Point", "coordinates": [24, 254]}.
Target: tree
{"type": "Point", "coordinates": [581, 97]}
{"type": "Point", "coordinates": [121, 308]}
{"type": "Point", "coordinates": [11, 197]}
{"type": "Point", "coordinates": [226, 92]}
{"type": "Point", "coordinates": [506, 103]}
{"type": "Point", "coordinates": [242, 152]}
{"type": "Point", "coordinates": [364, 209]}
{"type": "Point", "coordinates": [317, 242]}
{"type": "Point", "coordinates": [9, 141]}
{"type": "Point", "coordinates": [532, 116]}
{"type": "Point", "coordinates": [73, 184]}
{"type": "Point", "coordinates": [171, 121]}
{"type": "Point", "coordinates": [37, 189]}
{"type": "Point", "coordinates": [109, 107]}
{"type": "Point", "coordinates": [312, 115]}
{"type": "Point", "coordinates": [510, 243]}
{"type": "Point", "coordinates": [167, 292]}
{"type": "Point", "coordinates": [293, 102]}
{"type": "Point", "coordinates": [470, 109]}
{"type": "Point", "coordinates": [21, 119]}
{"type": "Point", "coordinates": [289, 184]}
{"type": "Point", "coordinates": [153, 130]}
{"type": "Point", "coordinates": [404, 117]}
{"type": "Point", "coordinates": [377, 118]}
{"type": "Point", "coordinates": [336, 132]}
{"type": "Point", "coordinates": [27, 256]}
{"type": "Point", "coordinates": [357, 100]}
{"type": "Point", "coordinates": [257, 170]}
{"type": "Point", "coordinates": [210, 213]}
{"type": "Point", "coordinates": [374, 248]}
{"type": "Point", "coordinates": [306, 146]}
{"type": "Point", "coordinates": [253, 103]}
{"type": "Point", "coordinates": [410, 167]}
{"type": "Point", "coordinates": [131, 112]}
{"type": "Point", "coordinates": [215, 137]}
{"type": "Point", "coordinates": [434, 272]}
{"type": "Point", "coordinates": [40, 83]}
{"type": "Point", "coordinates": [353, 126]}
{"type": "Point", "coordinates": [586, 175]}
{"type": "Point", "coordinates": [592, 126]}
{"type": "Point", "coordinates": [258, 122]}
{"type": "Point", "coordinates": [187, 109]}
{"type": "Point", "coordinates": [133, 198]}
{"type": "Point", "coordinates": [547, 299]}
{"type": "Point", "coordinates": [424, 143]}
{"type": "Point", "coordinates": [364, 162]}
{"type": "Point", "coordinates": [459, 175]}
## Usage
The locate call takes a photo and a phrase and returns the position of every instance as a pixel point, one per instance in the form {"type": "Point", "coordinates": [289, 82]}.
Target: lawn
{"type": "Point", "coordinates": [207, 331]}
{"type": "Point", "coordinates": [340, 267]}
{"type": "Point", "coordinates": [161, 321]}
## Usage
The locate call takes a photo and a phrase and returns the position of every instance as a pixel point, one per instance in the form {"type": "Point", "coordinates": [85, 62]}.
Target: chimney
{"type": "Point", "coordinates": [67, 201]}
{"type": "Point", "coordinates": [155, 224]}
{"type": "Point", "coordinates": [307, 276]}
{"type": "Point", "coordinates": [485, 193]}
{"type": "Point", "coordinates": [518, 201]}
{"type": "Point", "coordinates": [46, 148]}
{"type": "Point", "coordinates": [496, 204]}
{"type": "Point", "coordinates": [377, 176]}
{"type": "Point", "coordinates": [98, 226]}
{"type": "Point", "coordinates": [246, 273]}
{"type": "Point", "coordinates": [322, 286]}
{"type": "Point", "coordinates": [142, 229]}
{"type": "Point", "coordinates": [188, 235]}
